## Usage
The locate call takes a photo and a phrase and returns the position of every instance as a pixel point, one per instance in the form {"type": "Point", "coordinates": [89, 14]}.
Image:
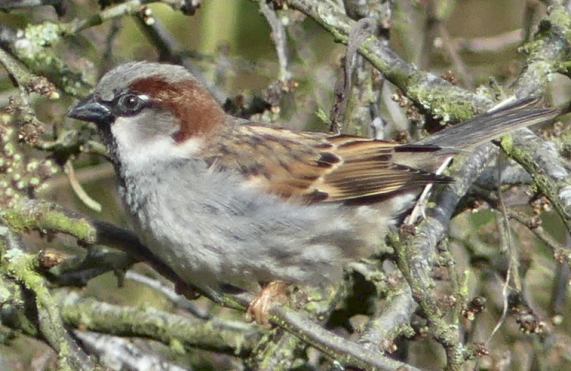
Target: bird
{"type": "Point", "coordinates": [232, 205]}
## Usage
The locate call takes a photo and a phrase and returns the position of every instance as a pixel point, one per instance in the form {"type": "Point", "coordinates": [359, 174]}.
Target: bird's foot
{"type": "Point", "coordinates": [271, 294]}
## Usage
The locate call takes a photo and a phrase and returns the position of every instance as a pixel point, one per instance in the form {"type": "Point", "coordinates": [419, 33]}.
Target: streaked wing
{"type": "Point", "coordinates": [314, 167]}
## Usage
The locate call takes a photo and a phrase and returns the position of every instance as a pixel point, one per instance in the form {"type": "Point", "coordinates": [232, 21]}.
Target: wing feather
{"type": "Point", "coordinates": [314, 167]}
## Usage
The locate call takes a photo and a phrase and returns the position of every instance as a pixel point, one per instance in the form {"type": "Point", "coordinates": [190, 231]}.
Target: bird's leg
{"type": "Point", "coordinates": [273, 293]}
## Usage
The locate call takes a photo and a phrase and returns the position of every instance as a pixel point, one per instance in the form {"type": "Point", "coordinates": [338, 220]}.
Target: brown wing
{"type": "Point", "coordinates": [315, 167]}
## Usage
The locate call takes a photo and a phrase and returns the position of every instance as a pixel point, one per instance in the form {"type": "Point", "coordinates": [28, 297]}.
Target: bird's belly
{"type": "Point", "coordinates": [249, 239]}
{"type": "Point", "coordinates": [168, 231]}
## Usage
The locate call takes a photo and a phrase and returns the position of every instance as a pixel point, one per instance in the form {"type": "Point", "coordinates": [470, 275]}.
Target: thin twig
{"type": "Point", "coordinates": [7, 5]}
{"type": "Point", "coordinates": [551, 178]}
{"type": "Point", "coordinates": [490, 44]}
{"type": "Point", "coordinates": [457, 62]}
{"type": "Point", "coordinates": [171, 51]}
{"type": "Point", "coordinates": [121, 354]}
{"type": "Point", "coordinates": [177, 299]}
{"type": "Point", "coordinates": [78, 189]}
{"type": "Point", "coordinates": [511, 274]}
{"type": "Point", "coordinates": [279, 38]}
{"type": "Point", "coordinates": [560, 252]}
{"type": "Point", "coordinates": [359, 33]}
{"type": "Point", "coordinates": [437, 95]}
{"type": "Point", "coordinates": [560, 285]}
{"type": "Point", "coordinates": [130, 7]}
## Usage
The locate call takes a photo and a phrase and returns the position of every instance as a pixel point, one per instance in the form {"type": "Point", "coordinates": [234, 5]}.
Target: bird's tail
{"type": "Point", "coordinates": [492, 124]}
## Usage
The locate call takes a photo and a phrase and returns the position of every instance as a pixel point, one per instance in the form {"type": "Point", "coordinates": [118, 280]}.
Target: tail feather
{"type": "Point", "coordinates": [492, 124]}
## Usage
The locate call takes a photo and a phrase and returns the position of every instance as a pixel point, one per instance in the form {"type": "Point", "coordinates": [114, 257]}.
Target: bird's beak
{"type": "Point", "coordinates": [91, 110]}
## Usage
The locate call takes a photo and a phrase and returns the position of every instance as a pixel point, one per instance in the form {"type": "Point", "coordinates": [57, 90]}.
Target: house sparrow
{"type": "Point", "coordinates": [231, 204]}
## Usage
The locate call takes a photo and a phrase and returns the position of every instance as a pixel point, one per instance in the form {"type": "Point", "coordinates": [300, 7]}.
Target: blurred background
{"type": "Point", "coordinates": [229, 43]}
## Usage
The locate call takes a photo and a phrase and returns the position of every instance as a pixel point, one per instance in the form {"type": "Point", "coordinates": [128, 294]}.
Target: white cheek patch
{"type": "Point", "coordinates": [190, 146]}
{"type": "Point", "coordinates": [123, 132]}
{"type": "Point", "coordinates": [136, 151]}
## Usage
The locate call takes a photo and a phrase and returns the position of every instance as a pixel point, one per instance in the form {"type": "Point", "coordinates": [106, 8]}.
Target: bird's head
{"type": "Point", "coordinates": [151, 111]}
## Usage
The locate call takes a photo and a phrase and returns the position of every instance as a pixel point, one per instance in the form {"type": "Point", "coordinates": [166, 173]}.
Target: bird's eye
{"type": "Point", "coordinates": [130, 104]}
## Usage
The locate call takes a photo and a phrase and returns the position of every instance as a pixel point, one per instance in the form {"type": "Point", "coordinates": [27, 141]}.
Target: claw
{"type": "Point", "coordinates": [273, 293]}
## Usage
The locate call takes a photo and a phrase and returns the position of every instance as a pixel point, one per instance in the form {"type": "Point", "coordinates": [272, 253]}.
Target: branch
{"type": "Point", "coordinates": [170, 50]}
{"type": "Point", "coordinates": [416, 253]}
{"type": "Point", "coordinates": [279, 38]}
{"type": "Point", "coordinates": [26, 81]}
{"type": "Point", "coordinates": [560, 252]}
{"type": "Point", "coordinates": [32, 46]}
{"type": "Point", "coordinates": [436, 95]}
{"type": "Point", "coordinates": [22, 268]}
{"type": "Point", "coordinates": [490, 44]}
{"type": "Point", "coordinates": [223, 336]}
{"type": "Point", "coordinates": [550, 47]}
{"type": "Point", "coordinates": [121, 354]}
{"type": "Point", "coordinates": [177, 299]}
{"type": "Point", "coordinates": [383, 328]}
{"type": "Point", "coordinates": [511, 174]}
{"type": "Point", "coordinates": [338, 348]}
{"type": "Point", "coordinates": [551, 178]}
{"type": "Point", "coordinates": [44, 216]}
{"type": "Point", "coordinates": [441, 98]}
{"type": "Point", "coordinates": [282, 348]}
{"type": "Point", "coordinates": [7, 5]}
{"type": "Point", "coordinates": [130, 7]}
{"type": "Point", "coordinates": [215, 335]}
{"type": "Point", "coordinates": [357, 36]}
{"type": "Point", "coordinates": [79, 270]}
{"type": "Point", "coordinates": [37, 215]}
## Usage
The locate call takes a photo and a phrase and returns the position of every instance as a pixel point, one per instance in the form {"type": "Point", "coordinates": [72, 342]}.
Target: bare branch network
{"type": "Point", "coordinates": [462, 275]}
